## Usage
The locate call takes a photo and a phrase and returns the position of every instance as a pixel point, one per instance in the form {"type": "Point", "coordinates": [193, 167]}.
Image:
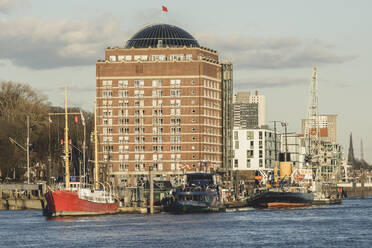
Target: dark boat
{"type": "Point", "coordinates": [281, 197]}
{"type": "Point", "coordinates": [199, 195]}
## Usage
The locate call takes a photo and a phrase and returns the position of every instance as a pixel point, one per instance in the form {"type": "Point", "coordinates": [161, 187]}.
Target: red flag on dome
{"type": "Point", "coordinates": [164, 8]}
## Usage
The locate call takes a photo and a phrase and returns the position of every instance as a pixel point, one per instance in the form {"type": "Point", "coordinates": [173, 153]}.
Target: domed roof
{"type": "Point", "coordinates": [161, 35]}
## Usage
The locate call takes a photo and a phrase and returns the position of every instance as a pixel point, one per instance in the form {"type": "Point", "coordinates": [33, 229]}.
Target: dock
{"type": "Point", "coordinates": [22, 196]}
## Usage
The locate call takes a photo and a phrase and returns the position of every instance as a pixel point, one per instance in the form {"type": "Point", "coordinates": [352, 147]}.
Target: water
{"type": "Point", "coordinates": [346, 225]}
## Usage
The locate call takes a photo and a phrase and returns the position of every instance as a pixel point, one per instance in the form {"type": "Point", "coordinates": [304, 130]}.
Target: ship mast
{"type": "Point", "coordinates": [95, 146]}
{"type": "Point", "coordinates": [67, 167]}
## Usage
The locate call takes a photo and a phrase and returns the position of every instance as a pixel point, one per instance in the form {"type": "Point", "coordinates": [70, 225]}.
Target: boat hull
{"type": "Point", "coordinates": [270, 199]}
{"type": "Point", "coordinates": [184, 207]}
{"type": "Point", "coordinates": [68, 203]}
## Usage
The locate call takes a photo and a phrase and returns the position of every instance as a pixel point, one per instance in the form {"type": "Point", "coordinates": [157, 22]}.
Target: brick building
{"type": "Point", "coordinates": [159, 103]}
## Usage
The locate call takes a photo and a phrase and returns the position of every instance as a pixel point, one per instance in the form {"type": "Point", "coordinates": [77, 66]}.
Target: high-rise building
{"type": "Point", "coordinates": [327, 127]}
{"type": "Point", "coordinates": [159, 104]}
{"type": "Point", "coordinates": [227, 116]}
{"type": "Point", "coordinates": [249, 110]}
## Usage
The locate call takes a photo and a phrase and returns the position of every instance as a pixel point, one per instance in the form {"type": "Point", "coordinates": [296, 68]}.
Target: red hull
{"type": "Point", "coordinates": [68, 203]}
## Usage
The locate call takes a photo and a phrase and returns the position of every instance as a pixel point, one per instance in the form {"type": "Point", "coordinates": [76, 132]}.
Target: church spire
{"type": "Point", "coordinates": [351, 158]}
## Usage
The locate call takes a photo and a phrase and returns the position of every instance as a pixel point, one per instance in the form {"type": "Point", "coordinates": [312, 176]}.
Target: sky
{"type": "Point", "coordinates": [273, 45]}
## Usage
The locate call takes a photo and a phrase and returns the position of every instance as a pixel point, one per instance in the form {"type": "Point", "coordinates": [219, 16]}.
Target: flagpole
{"type": "Point", "coordinates": [50, 155]}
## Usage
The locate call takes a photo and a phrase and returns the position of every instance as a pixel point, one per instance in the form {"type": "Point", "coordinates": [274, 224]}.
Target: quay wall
{"type": "Point", "coordinates": [21, 204]}
{"type": "Point", "coordinates": [22, 196]}
{"type": "Point", "coordinates": [357, 191]}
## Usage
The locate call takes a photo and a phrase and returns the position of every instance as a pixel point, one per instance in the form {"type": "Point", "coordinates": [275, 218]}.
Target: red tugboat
{"type": "Point", "coordinates": [74, 200]}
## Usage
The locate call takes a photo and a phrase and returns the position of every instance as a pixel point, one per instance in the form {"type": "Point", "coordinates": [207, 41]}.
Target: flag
{"type": "Point", "coordinates": [164, 8]}
{"type": "Point", "coordinates": [50, 120]}
{"type": "Point", "coordinates": [76, 119]}
{"type": "Point", "coordinates": [61, 141]}
{"type": "Point", "coordinates": [82, 118]}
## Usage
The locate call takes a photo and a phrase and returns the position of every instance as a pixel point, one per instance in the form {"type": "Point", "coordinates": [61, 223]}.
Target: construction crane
{"type": "Point", "coordinates": [312, 127]}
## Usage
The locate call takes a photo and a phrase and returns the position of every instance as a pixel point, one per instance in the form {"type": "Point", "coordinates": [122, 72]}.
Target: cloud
{"type": "Point", "coordinates": [271, 53]}
{"type": "Point", "coordinates": [38, 44]}
{"type": "Point", "coordinates": [7, 6]}
{"type": "Point", "coordinates": [261, 83]}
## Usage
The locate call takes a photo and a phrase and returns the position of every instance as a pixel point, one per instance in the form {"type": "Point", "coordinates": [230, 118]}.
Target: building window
{"type": "Point", "coordinates": [157, 83]}
{"type": "Point", "coordinates": [140, 57]}
{"type": "Point", "coordinates": [139, 83]}
{"type": "Point", "coordinates": [249, 135]}
{"type": "Point", "coordinates": [237, 144]}
{"type": "Point", "coordinates": [178, 57]}
{"type": "Point", "coordinates": [157, 93]}
{"type": "Point", "coordinates": [159, 57]}
{"type": "Point", "coordinates": [123, 93]}
{"type": "Point", "coordinates": [107, 83]}
{"type": "Point", "coordinates": [236, 137]}
{"type": "Point", "coordinates": [107, 93]}
{"type": "Point", "coordinates": [236, 163]}
{"type": "Point", "coordinates": [123, 83]}
{"type": "Point", "coordinates": [250, 153]}
{"type": "Point", "coordinates": [175, 93]}
{"type": "Point", "coordinates": [248, 163]}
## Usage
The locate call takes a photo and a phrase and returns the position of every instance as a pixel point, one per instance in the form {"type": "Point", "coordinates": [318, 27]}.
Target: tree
{"type": "Point", "coordinates": [17, 101]}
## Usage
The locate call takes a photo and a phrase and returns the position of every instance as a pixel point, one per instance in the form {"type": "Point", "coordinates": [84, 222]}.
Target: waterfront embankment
{"type": "Point", "coordinates": [356, 190]}
{"type": "Point", "coordinates": [22, 196]}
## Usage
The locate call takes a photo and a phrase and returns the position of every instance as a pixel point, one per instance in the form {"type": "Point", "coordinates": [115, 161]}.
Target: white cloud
{"type": "Point", "coordinates": [6, 6]}
{"type": "Point", "coordinates": [268, 82]}
{"type": "Point", "coordinates": [40, 44]}
{"type": "Point", "coordinates": [271, 53]}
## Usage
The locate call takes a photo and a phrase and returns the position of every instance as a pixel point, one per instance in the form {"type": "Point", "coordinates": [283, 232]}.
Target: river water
{"type": "Point", "coordinates": [345, 225]}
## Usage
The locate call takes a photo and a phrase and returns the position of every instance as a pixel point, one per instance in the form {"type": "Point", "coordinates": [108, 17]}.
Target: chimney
{"type": "Point", "coordinates": [256, 92]}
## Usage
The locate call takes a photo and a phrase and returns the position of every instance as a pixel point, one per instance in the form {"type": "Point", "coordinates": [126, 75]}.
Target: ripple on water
{"type": "Point", "coordinates": [345, 225]}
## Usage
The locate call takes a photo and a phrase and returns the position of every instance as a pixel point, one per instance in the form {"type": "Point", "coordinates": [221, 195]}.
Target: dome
{"type": "Point", "coordinates": [162, 35]}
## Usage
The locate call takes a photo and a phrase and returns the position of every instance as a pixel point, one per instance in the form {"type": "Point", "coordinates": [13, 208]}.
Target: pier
{"type": "Point", "coordinates": [356, 189]}
{"type": "Point", "coordinates": [22, 196]}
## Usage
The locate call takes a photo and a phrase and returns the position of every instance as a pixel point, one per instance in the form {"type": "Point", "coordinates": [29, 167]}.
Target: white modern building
{"type": "Point", "coordinates": [254, 149]}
